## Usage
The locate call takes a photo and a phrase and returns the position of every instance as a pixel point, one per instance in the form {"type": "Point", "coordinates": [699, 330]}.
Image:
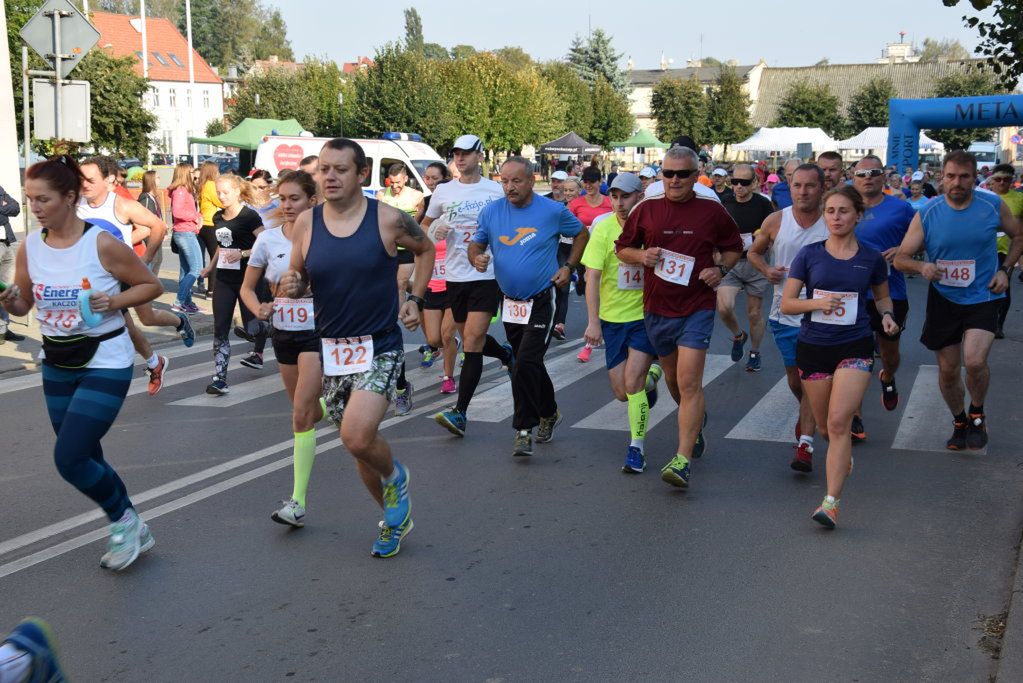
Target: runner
{"type": "Point", "coordinates": [87, 369]}
{"type": "Point", "coordinates": [784, 233]}
{"type": "Point", "coordinates": [558, 179]}
{"type": "Point", "coordinates": [678, 289]}
{"type": "Point", "coordinates": [721, 184]}
{"type": "Point", "coordinates": [749, 209]}
{"type": "Point", "coordinates": [827, 286]}
{"type": "Point", "coordinates": [438, 322]}
{"type": "Point", "coordinates": [614, 304]}
{"type": "Point", "coordinates": [206, 186]}
{"type": "Point", "coordinates": [346, 251]}
{"type": "Point", "coordinates": [130, 222]}
{"type": "Point", "coordinates": [834, 174]}
{"type": "Point", "coordinates": [586, 208]}
{"type": "Point", "coordinates": [882, 227]}
{"type": "Point", "coordinates": [523, 231]}
{"type": "Point", "coordinates": [781, 194]}
{"type": "Point", "coordinates": [1000, 183]}
{"type": "Point", "coordinates": [473, 296]}
{"type": "Point", "coordinates": [968, 282]}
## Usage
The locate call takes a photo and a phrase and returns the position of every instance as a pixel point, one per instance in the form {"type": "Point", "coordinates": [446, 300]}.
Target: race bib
{"type": "Point", "coordinates": [957, 273]}
{"type": "Point", "coordinates": [516, 312]}
{"type": "Point", "coordinates": [440, 270]}
{"type": "Point", "coordinates": [630, 277]}
{"type": "Point", "coordinates": [844, 314]}
{"type": "Point", "coordinates": [463, 235]}
{"type": "Point", "coordinates": [347, 356]}
{"type": "Point", "coordinates": [293, 315]}
{"type": "Point", "coordinates": [66, 320]}
{"type": "Point", "coordinates": [676, 268]}
{"type": "Point", "coordinates": [222, 262]}
{"type": "Point", "coordinates": [747, 240]}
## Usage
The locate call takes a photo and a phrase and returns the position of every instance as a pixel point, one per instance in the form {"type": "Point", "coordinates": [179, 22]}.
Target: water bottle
{"type": "Point", "coordinates": [90, 318]}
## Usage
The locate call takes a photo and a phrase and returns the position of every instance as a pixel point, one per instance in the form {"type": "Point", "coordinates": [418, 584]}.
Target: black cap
{"type": "Point", "coordinates": [684, 141]}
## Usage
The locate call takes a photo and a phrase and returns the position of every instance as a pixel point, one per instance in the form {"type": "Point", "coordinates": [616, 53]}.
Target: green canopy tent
{"type": "Point", "coordinates": [247, 135]}
{"type": "Point", "coordinates": [642, 138]}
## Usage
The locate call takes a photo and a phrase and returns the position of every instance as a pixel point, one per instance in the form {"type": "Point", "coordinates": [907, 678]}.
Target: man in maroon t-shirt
{"type": "Point", "coordinates": [675, 238]}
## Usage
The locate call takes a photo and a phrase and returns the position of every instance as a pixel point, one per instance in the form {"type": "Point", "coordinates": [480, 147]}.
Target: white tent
{"type": "Point", "coordinates": [876, 138]}
{"type": "Point", "coordinates": [786, 139]}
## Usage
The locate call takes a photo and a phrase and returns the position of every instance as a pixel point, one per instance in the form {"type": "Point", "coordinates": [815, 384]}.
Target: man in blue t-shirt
{"type": "Point", "coordinates": [523, 231]}
{"type": "Point", "coordinates": [968, 280]}
{"type": "Point", "coordinates": [883, 227]}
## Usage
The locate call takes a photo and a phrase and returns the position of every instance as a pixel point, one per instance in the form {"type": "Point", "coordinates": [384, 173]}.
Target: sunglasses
{"type": "Point", "coordinates": [745, 182]}
{"type": "Point", "coordinates": [869, 172]}
{"type": "Point", "coordinates": [681, 173]}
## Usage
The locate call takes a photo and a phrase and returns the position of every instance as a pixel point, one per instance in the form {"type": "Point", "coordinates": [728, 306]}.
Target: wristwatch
{"type": "Point", "coordinates": [724, 270]}
{"type": "Point", "coordinates": [417, 300]}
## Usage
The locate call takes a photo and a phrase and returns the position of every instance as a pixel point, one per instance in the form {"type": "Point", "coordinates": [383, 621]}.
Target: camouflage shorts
{"type": "Point", "coordinates": [381, 378]}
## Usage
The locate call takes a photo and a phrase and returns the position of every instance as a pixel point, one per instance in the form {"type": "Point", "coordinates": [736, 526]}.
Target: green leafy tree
{"type": "Point", "coordinates": [272, 38]}
{"type": "Point", "coordinates": [813, 106]}
{"type": "Point", "coordinates": [322, 81]}
{"type": "Point", "coordinates": [462, 51]}
{"type": "Point", "coordinates": [435, 51]}
{"type": "Point", "coordinates": [1002, 37]}
{"type": "Point", "coordinates": [728, 110]}
{"type": "Point", "coordinates": [413, 30]}
{"type": "Point", "coordinates": [869, 105]}
{"type": "Point", "coordinates": [515, 57]}
{"type": "Point", "coordinates": [595, 57]}
{"type": "Point", "coordinates": [680, 108]}
{"type": "Point", "coordinates": [237, 32]}
{"type": "Point", "coordinates": [575, 93]}
{"type": "Point", "coordinates": [282, 95]}
{"type": "Point", "coordinates": [215, 127]}
{"type": "Point", "coordinates": [947, 50]}
{"type": "Point", "coordinates": [612, 119]}
{"type": "Point", "coordinates": [969, 84]}
{"type": "Point", "coordinates": [468, 104]}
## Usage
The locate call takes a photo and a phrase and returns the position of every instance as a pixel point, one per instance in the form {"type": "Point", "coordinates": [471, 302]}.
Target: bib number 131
{"type": "Point", "coordinates": [347, 356]}
{"type": "Point", "coordinates": [673, 267]}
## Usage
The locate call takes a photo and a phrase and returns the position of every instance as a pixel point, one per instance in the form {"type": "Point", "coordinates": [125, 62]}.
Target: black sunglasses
{"type": "Point", "coordinates": [745, 182]}
{"type": "Point", "coordinates": [681, 173]}
{"type": "Point", "coordinates": [868, 172]}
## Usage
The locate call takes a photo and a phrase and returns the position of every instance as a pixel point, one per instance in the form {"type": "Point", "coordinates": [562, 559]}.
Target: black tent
{"type": "Point", "coordinates": [569, 143]}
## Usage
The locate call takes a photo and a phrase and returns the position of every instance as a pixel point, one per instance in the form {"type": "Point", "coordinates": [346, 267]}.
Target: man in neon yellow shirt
{"type": "Point", "coordinates": [614, 304]}
{"type": "Point", "coordinates": [1000, 182]}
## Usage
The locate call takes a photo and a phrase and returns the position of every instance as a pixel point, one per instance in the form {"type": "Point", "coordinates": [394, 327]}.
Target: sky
{"type": "Point", "coordinates": [782, 32]}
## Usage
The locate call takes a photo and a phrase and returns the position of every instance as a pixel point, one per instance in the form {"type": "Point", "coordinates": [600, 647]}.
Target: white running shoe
{"type": "Point", "coordinates": [125, 542]}
{"type": "Point", "coordinates": [291, 513]}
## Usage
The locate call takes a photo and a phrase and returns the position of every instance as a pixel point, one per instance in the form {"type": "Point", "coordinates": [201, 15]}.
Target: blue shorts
{"type": "Point", "coordinates": [785, 338]}
{"type": "Point", "coordinates": [692, 331]}
{"type": "Point", "coordinates": [620, 337]}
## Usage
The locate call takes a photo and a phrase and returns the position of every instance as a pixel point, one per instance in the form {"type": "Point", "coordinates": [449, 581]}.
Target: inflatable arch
{"type": "Point", "coordinates": [907, 117]}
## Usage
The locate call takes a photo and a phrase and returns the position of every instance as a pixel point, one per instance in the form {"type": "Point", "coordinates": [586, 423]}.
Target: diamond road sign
{"type": "Point", "coordinates": [77, 34]}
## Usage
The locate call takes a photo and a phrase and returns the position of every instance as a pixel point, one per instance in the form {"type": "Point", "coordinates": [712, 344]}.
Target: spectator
{"type": "Point", "coordinates": [9, 207]}
{"type": "Point", "coordinates": [148, 198]}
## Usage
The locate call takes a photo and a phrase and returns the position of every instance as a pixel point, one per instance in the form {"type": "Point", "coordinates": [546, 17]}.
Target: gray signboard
{"type": "Point", "coordinates": [77, 35]}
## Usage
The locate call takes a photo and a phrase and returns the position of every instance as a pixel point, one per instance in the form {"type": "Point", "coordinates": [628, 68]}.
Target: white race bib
{"type": "Point", "coordinates": [957, 273]}
{"type": "Point", "coordinates": [293, 315]}
{"type": "Point", "coordinates": [65, 320]}
{"type": "Point", "coordinates": [516, 312]}
{"type": "Point", "coordinates": [222, 260]}
{"type": "Point", "coordinates": [630, 277]}
{"type": "Point", "coordinates": [463, 236]}
{"type": "Point", "coordinates": [844, 314]}
{"type": "Point", "coordinates": [747, 240]}
{"type": "Point", "coordinates": [674, 267]}
{"type": "Point", "coordinates": [347, 356]}
{"type": "Point", "coordinates": [440, 270]}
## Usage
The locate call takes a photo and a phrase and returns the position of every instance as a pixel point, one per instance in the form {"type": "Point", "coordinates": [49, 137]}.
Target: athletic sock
{"type": "Point", "coordinates": [472, 370]}
{"type": "Point", "coordinates": [960, 418]}
{"type": "Point", "coordinates": [807, 439]}
{"type": "Point", "coordinates": [181, 322]}
{"type": "Point", "coordinates": [15, 664]}
{"type": "Point", "coordinates": [402, 382]}
{"type": "Point", "coordinates": [639, 413]}
{"type": "Point", "coordinates": [305, 454]}
{"type": "Point", "coordinates": [491, 349]}
{"type": "Point", "coordinates": [153, 361]}
{"type": "Point", "coordinates": [433, 349]}
{"type": "Point", "coordinates": [830, 501]}
{"type": "Point", "coordinates": [976, 410]}
{"type": "Point", "coordinates": [393, 476]}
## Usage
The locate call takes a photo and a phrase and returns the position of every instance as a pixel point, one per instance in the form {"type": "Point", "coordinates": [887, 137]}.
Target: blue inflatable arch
{"type": "Point", "coordinates": [907, 117]}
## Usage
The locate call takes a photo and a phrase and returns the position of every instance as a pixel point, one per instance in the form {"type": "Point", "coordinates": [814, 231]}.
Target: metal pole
{"type": "Point", "coordinates": [145, 43]}
{"type": "Point", "coordinates": [191, 70]}
{"type": "Point", "coordinates": [26, 127]}
{"type": "Point", "coordinates": [57, 59]}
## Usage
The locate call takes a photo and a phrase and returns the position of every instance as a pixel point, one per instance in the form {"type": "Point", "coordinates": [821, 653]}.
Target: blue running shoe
{"type": "Point", "coordinates": [429, 356]}
{"type": "Point", "coordinates": [35, 637]}
{"type": "Point", "coordinates": [738, 343]}
{"type": "Point", "coordinates": [389, 540]}
{"type": "Point", "coordinates": [397, 506]}
{"type": "Point", "coordinates": [403, 400]}
{"type": "Point", "coordinates": [186, 332]}
{"type": "Point", "coordinates": [511, 358]}
{"type": "Point", "coordinates": [452, 420]}
{"type": "Point", "coordinates": [676, 472]}
{"type": "Point", "coordinates": [753, 364]}
{"type": "Point", "coordinates": [634, 461]}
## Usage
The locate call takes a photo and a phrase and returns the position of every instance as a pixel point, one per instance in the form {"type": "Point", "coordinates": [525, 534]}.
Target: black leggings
{"type": "Point", "coordinates": [226, 296]}
{"type": "Point", "coordinates": [208, 240]}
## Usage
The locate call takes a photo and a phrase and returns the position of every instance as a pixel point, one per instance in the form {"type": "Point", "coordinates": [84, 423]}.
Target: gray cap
{"type": "Point", "coordinates": [627, 182]}
{"type": "Point", "coordinates": [468, 143]}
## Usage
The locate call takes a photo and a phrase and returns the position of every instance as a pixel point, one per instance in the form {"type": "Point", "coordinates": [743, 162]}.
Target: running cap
{"type": "Point", "coordinates": [684, 141]}
{"type": "Point", "coordinates": [627, 182]}
{"type": "Point", "coordinates": [469, 143]}
{"type": "Point", "coordinates": [918, 175]}
{"type": "Point", "coordinates": [773, 178]}
{"type": "Point", "coordinates": [648, 172]}
{"type": "Point", "coordinates": [720, 172]}
{"type": "Point", "coordinates": [559, 175]}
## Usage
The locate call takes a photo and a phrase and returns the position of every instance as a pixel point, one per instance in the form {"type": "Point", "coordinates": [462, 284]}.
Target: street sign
{"type": "Point", "coordinates": [75, 118]}
{"type": "Point", "coordinates": [77, 35]}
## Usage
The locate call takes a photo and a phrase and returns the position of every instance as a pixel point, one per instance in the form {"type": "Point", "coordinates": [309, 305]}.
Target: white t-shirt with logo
{"type": "Point", "coordinates": [458, 205]}
{"type": "Point", "coordinates": [272, 252]}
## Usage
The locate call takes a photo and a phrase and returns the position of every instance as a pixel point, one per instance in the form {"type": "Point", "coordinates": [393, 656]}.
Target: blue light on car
{"type": "Point", "coordinates": [408, 137]}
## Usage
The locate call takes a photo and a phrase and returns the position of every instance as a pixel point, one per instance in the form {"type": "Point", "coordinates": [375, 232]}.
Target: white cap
{"type": "Point", "coordinates": [648, 172]}
{"type": "Point", "coordinates": [720, 172]}
{"type": "Point", "coordinates": [559, 175]}
{"type": "Point", "coordinates": [918, 175]}
{"type": "Point", "coordinates": [468, 143]}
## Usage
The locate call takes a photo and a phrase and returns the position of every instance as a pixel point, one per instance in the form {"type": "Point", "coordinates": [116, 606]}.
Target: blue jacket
{"type": "Point", "coordinates": [781, 195]}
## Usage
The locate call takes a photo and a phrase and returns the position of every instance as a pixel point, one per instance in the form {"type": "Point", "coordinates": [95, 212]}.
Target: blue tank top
{"type": "Point", "coordinates": [354, 282]}
{"type": "Point", "coordinates": [968, 234]}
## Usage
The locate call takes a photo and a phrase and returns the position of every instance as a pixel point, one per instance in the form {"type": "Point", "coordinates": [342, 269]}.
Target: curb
{"type": "Point", "coordinates": [1010, 658]}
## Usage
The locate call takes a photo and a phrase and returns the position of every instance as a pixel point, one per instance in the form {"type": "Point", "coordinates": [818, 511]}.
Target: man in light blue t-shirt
{"type": "Point", "coordinates": [523, 231]}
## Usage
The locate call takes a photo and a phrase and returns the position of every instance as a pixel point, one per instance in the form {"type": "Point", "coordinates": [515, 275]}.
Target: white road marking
{"type": "Point", "coordinates": [773, 418]}
{"type": "Point", "coordinates": [926, 423]}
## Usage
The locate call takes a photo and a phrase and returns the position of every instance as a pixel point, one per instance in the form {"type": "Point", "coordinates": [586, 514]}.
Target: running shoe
{"type": "Point", "coordinates": [452, 420]}
{"type": "Point", "coordinates": [290, 513]}
{"type": "Point", "coordinates": [653, 375]}
{"type": "Point", "coordinates": [125, 542]}
{"type": "Point", "coordinates": [558, 332]}
{"type": "Point", "coordinates": [389, 540]}
{"type": "Point", "coordinates": [403, 400]}
{"type": "Point", "coordinates": [976, 432]}
{"type": "Point", "coordinates": [429, 356]}
{"type": "Point", "coordinates": [523, 444]}
{"type": "Point", "coordinates": [178, 308]}
{"type": "Point", "coordinates": [253, 360]}
{"type": "Point", "coordinates": [676, 472]}
{"type": "Point", "coordinates": [889, 392]}
{"type": "Point", "coordinates": [958, 440]}
{"type": "Point", "coordinates": [218, 387]}
{"type": "Point", "coordinates": [397, 506]}
{"type": "Point", "coordinates": [448, 386]}
{"type": "Point", "coordinates": [461, 358]}
{"type": "Point", "coordinates": [858, 431]}
{"type": "Point", "coordinates": [545, 432]}
{"type": "Point", "coordinates": [146, 543]}
{"type": "Point", "coordinates": [510, 365]}
{"type": "Point", "coordinates": [584, 354]}
{"type": "Point", "coordinates": [635, 463]}
{"type": "Point", "coordinates": [186, 332]}
{"type": "Point", "coordinates": [156, 375]}
{"type": "Point", "coordinates": [738, 344]}
{"type": "Point", "coordinates": [243, 333]}
{"type": "Point", "coordinates": [34, 636]}
{"type": "Point", "coordinates": [802, 461]}
{"type": "Point", "coordinates": [191, 309]}
{"type": "Point", "coordinates": [699, 446]}
{"type": "Point", "coordinates": [753, 364]}
{"type": "Point", "coordinates": [826, 515]}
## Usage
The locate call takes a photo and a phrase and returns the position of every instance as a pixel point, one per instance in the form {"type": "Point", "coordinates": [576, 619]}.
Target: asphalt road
{"type": "Point", "coordinates": [557, 567]}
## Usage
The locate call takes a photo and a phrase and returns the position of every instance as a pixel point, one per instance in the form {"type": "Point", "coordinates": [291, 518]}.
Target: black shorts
{"type": "Point", "coordinates": [436, 301]}
{"type": "Point", "coordinates": [947, 322]}
{"type": "Point", "coordinates": [406, 257]}
{"type": "Point", "coordinates": [288, 345]}
{"type": "Point", "coordinates": [900, 311]}
{"type": "Point", "coordinates": [817, 361]}
{"type": "Point", "coordinates": [477, 296]}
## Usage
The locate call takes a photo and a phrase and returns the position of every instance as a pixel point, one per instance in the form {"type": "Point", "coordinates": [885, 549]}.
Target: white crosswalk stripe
{"type": "Point", "coordinates": [926, 423]}
{"type": "Point", "coordinates": [773, 418]}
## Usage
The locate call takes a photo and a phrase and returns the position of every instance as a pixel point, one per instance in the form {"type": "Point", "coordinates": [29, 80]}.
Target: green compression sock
{"type": "Point", "coordinates": [639, 413]}
{"type": "Point", "coordinates": [305, 453]}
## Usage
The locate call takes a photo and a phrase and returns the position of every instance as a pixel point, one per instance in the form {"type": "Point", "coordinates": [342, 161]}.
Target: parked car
{"type": "Point", "coordinates": [227, 165]}
{"type": "Point", "coordinates": [129, 162]}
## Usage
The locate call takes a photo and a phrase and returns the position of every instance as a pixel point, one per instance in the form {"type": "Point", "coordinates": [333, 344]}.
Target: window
{"type": "Point", "coordinates": [159, 58]}
{"type": "Point", "coordinates": [386, 164]}
{"type": "Point", "coordinates": [369, 176]}
{"type": "Point", "coordinates": [206, 99]}
{"type": "Point", "coordinates": [174, 58]}
{"type": "Point", "coordinates": [188, 98]}
{"type": "Point", "coordinates": [172, 96]}
{"type": "Point", "coordinates": [138, 53]}
{"type": "Point", "coordinates": [156, 97]}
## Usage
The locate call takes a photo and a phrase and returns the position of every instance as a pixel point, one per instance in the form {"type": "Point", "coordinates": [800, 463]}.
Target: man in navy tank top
{"type": "Point", "coordinates": [968, 280]}
{"type": "Point", "coordinates": [346, 250]}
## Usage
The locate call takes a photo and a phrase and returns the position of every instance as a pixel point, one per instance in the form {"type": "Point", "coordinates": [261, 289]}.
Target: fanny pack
{"type": "Point", "coordinates": [74, 352]}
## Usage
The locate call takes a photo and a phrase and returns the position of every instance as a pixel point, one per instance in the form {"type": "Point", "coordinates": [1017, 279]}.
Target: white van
{"type": "Point", "coordinates": [277, 153]}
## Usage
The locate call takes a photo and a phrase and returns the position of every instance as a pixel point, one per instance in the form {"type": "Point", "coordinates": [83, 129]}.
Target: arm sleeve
{"type": "Point", "coordinates": [568, 225]}
{"type": "Point", "coordinates": [260, 251]}
{"type": "Point", "coordinates": [434, 210]}
{"type": "Point", "coordinates": [632, 233]}
{"type": "Point", "coordinates": [182, 206]}
{"type": "Point", "coordinates": [880, 272]}
{"type": "Point", "coordinates": [596, 247]}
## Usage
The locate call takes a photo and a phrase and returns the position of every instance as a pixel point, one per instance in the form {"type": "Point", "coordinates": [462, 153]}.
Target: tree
{"type": "Point", "coordinates": [946, 50]}
{"type": "Point", "coordinates": [1002, 37]}
{"type": "Point", "coordinates": [869, 105]}
{"type": "Point", "coordinates": [515, 57]}
{"type": "Point", "coordinates": [237, 32]}
{"type": "Point", "coordinates": [215, 127]}
{"type": "Point", "coordinates": [322, 81]}
{"type": "Point", "coordinates": [596, 57]}
{"type": "Point", "coordinates": [975, 82]}
{"type": "Point", "coordinates": [728, 110]}
{"type": "Point", "coordinates": [612, 119]}
{"type": "Point", "coordinates": [574, 92]}
{"type": "Point", "coordinates": [462, 51]}
{"type": "Point", "coordinates": [413, 30]}
{"type": "Point", "coordinates": [272, 38]}
{"type": "Point", "coordinates": [813, 106]}
{"type": "Point", "coordinates": [680, 108]}
{"type": "Point", "coordinates": [282, 95]}
{"type": "Point", "coordinates": [435, 51]}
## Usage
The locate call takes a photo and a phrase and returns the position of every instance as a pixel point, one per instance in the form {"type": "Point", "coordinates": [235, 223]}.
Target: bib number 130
{"type": "Point", "coordinates": [347, 356]}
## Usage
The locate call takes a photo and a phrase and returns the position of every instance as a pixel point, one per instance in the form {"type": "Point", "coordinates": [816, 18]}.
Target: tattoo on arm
{"type": "Point", "coordinates": [407, 224]}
